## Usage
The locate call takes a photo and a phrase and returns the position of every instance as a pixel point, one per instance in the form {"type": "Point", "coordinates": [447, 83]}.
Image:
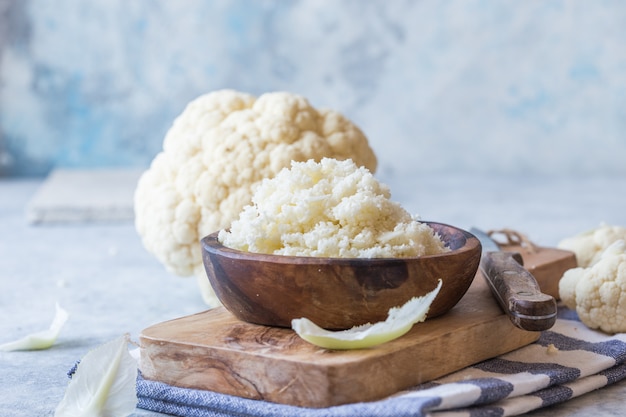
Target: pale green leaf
{"type": "Point", "coordinates": [40, 340]}
{"type": "Point", "coordinates": [399, 321]}
{"type": "Point", "coordinates": [104, 384]}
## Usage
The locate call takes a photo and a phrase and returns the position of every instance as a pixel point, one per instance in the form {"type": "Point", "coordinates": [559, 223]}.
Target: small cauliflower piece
{"type": "Point", "coordinates": [551, 349]}
{"type": "Point", "coordinates": [598, 293]}
{"type": "Point", "coordinates": [588, 246]}
{"type": "Point", "coordinates": [217, 150]}
{"type": "Point", "coordinates": [331, 209]}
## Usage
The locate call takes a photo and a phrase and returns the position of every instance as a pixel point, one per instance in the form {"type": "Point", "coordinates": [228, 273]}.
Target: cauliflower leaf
{"type": "Point", "coordinates": [104, 383]}
{"type": "Point", "coordinates": [43, 339]}
{"type": "Point", "coordinates": [399, 321]}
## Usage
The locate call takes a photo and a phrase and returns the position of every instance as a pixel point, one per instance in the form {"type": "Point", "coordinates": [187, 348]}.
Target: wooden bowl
{"type": "Point", "coordinates": [337, 293]}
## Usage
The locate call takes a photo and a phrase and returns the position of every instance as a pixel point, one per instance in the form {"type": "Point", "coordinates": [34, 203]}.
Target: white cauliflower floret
{"type": "Point", "coordinates": [598, 293]}
{"type": "Point", "coordinates": [217, 150]}
{"type": "Point", "coordinates": [588, 246]}
{"type": "Point", "coordinates": [328, 209]}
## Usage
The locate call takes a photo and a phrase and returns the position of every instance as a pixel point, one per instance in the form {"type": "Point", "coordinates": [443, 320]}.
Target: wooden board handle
{"type": "Point", "coordinates": [517, 291]}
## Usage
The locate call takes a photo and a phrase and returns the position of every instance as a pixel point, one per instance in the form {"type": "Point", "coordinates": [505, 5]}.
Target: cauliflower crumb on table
{"type": "Point", "coordinates": [551, 349]}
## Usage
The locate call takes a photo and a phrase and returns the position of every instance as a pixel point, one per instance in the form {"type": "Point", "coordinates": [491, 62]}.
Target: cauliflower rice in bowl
{"type": "Point", "coordinates": [329, 209]}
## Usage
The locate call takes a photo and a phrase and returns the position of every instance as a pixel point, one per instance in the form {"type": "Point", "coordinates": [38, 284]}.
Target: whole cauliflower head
{"type": "Point", "coordinates": [588, 246]}
{"type": "Point", "coordinates": [216, 151]}
{"type": "Point", "coordinates": [598, 293]}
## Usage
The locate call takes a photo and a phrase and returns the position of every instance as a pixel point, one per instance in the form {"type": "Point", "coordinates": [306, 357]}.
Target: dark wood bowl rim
{"type": "Point", "coordinates": [211, 244]}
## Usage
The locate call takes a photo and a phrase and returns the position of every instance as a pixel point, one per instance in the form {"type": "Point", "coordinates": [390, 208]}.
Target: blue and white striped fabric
{"type": "Point", "coordinates": [566, 362]}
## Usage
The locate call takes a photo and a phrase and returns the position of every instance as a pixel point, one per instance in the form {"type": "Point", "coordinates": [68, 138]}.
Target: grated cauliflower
{"type": "Point", "coordinates": [328, 209]}
{"type": "Point", "coordinates": [223, 144]}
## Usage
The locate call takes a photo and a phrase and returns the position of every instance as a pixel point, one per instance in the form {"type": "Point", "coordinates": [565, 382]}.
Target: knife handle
{"type": "Point", "coordinates": [517, 291]}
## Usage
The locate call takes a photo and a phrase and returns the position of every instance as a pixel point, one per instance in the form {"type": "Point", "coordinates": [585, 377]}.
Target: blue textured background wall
{"type": "Point", "coordinates": [465, 86]}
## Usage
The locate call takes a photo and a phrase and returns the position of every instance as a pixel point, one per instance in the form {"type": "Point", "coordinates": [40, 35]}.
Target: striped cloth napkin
{"type": "Point", "coordinates": [567, 361]}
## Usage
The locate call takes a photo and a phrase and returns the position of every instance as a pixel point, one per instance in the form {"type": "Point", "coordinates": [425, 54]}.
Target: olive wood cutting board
{"type": "Point", "coordinates": [213, 350]}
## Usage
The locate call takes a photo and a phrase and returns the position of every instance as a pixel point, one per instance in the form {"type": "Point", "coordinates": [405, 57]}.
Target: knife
{"type": "Point", "coordinates": [515, 289]}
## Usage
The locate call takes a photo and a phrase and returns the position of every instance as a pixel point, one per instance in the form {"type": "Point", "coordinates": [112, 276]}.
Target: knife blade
{"type": "Point", "coordinates": [515, 289]}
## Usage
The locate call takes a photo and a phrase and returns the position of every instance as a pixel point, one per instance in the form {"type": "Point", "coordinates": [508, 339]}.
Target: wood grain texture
{"type": "Point", "coordinates": [213, 350]}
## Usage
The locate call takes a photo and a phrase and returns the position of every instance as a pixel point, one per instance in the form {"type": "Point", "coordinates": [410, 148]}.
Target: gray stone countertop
{"type": "Point", "coordinates": [100, 273]}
